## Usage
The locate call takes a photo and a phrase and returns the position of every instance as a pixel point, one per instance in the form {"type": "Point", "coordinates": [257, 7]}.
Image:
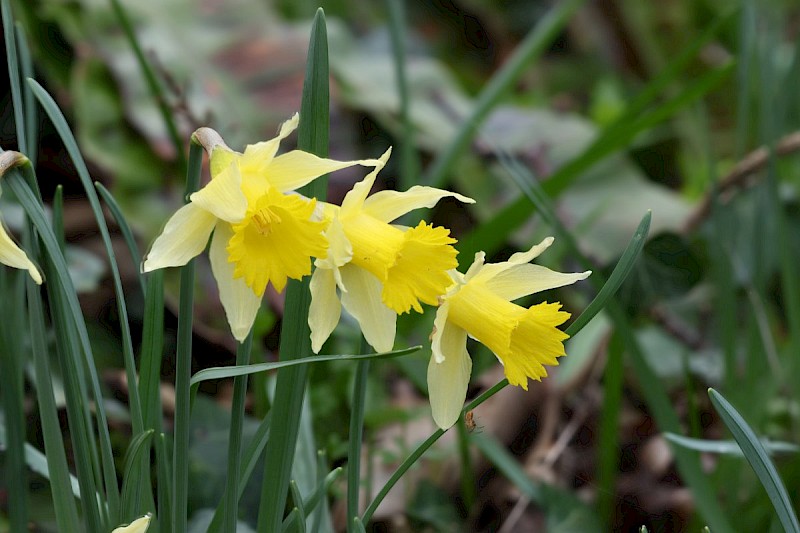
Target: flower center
{"type": "Point", "coordinates": [275, 241]}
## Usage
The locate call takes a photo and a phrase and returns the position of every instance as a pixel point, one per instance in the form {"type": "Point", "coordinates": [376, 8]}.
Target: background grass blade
{"type": "Point", "coordinates": [536, 42]}
{"type": "Point", "coordinates": [295, 342]}
{"type": "Point", "coordinates": [156, 90]}
{"type": "Point", "coordinates": [757, 456]}
{"type": "Point", "coordinates": [409, 160]}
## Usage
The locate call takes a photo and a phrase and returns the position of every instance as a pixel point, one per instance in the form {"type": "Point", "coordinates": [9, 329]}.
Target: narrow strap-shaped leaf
{"type": "Point", "coordinates": [222, 372]}
{"type": "Point", "coordinates": [151, 352]}
{"type": "Point", "coordinates": [74, 325]}
{"type": "Point", "coordinates": [63, 487]}
{"type": "Point", "coordinates": [30, 114]}
{"type": "Point", "coordinates": [60, 123]}
{"type": "Point", "coordinates": [164, 469]}
{"type": "Point", "coordinates": [15, 479]}
{"type": "Point", "coordinates": [729, 447]}
{"type": "Point", "coordinates": [132, 479]}
{"type": "Point", "coordinates": [295, 334]}
{"type": "Point", "coordinates": [127, 234]}
{"type": "Point", "coordinates": [757, 456]}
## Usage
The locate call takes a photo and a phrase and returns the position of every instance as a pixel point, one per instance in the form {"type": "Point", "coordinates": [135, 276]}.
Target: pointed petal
{"type": "Point", "coordinates": [519, 258]}
{"type": "Point", "coordinates": [139, 525]}
{"type": "Point", "coordinates": [223, 196]}
{"type": "Point", "coordinates": [389, 205]}
{"type": "Point", "coordinates": [13, 256]}
{"type": "Point", "coordinates": [294, 169]}
{"type": "Point", "coordinates": [476, 266]}
{"type": "Point", "coordinates": [354, 200]}
{"type": "Point", "coordinates": [239, 301]}
{"type": "Point", "coordinates": [257, 157]}
{"type": "Point", "coordinates": [448, 380]}
{"type": "Point", "coordinates": [363, 301]}
{"type": "Point", "coordinates": [185, 236]}
{"type": "Point", "coordinates": [325, 310]}
{"type": "Point", "coordinates": [525, 279]}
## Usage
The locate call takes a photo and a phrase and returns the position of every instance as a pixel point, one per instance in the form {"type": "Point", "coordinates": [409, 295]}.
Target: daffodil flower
{"type": "Point", "coordinates": [478, 304]}
{"type": "Point", "coordinates": [139, 525]}
{"type": "Point", "coordinates": [380, 270]}
{"type": "Point", "coordinates": [13, 256]}
{"type": "Point", "coordinates": [262, 231]}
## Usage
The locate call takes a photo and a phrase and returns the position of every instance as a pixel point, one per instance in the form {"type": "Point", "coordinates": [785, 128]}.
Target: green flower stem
{"type": "Point", "coordinates": [183, 366]}
{"type": "Point", "coordinates": [355, 437]}
{"type": "Point", "coordinates": [230, 502]}
{"type": "Point", "coordinates": [295, 335]}
{"type": "Point", "coordinates": [468, 490]}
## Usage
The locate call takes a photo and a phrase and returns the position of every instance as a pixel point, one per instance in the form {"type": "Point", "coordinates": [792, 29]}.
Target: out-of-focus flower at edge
{"type": "Point", "coordinates": [263, 232]}
{"type": "Point", "coordinates": [11, 254]}
{"type": "Point", "coordinates": [478, 304]}
{"type": "Point", "coordinates": [139, 525]}
{"type": "Point", "coordinates": [380, 270]}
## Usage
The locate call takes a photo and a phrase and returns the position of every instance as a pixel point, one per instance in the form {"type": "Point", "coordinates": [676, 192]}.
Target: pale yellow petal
{"type": "Point", "coordinates": [476, 266]}
{"type": "Point", "coordinates": [223, 196]}
{"type": "Point", "coordinates": [438, 329]}
{"type": "Point", "coordinates": [294, 169]}
{"type": "Point", "coordinates": [257, 157]}
{"type": "Point", "coordinates": [519, 258]}
{"type": "Point", "coordinates": [325, 309]}
{"type": "Point", "coordinates": [340, 251]}
{"type": "Point", "coordinates": [354, 200]}
{"type": "Point", "coordinates": [221, 157]}
{"type": "Point", "coordinates": [522, 280]}
{"type": "Point", "coordinates": [448, 380]}
{"type": "Point", "coordinates": [139, 525]}
{"type": "Point", "coordinates": [13, 256]}
{"type": "Point", "coordinates": [363, 301]}
{"type": "Point", "coordinates": [185, 236]}
{"type": "Point", "coordinates": [239, 301]}
{"type": "Point", "coordinates": [389, 205]}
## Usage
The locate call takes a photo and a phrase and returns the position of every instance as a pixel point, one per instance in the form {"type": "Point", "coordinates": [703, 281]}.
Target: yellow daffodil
{"type": "Point", "coordinates": [262, 231]}
{"type": "Point", "coordinates": [139, 525]}
{"type": "Point", "coordinates": [478, 304]}
{"type": "Point", "coordinates": [380, 270]}
{"type": "Point", "coordinates": [13, 256]}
